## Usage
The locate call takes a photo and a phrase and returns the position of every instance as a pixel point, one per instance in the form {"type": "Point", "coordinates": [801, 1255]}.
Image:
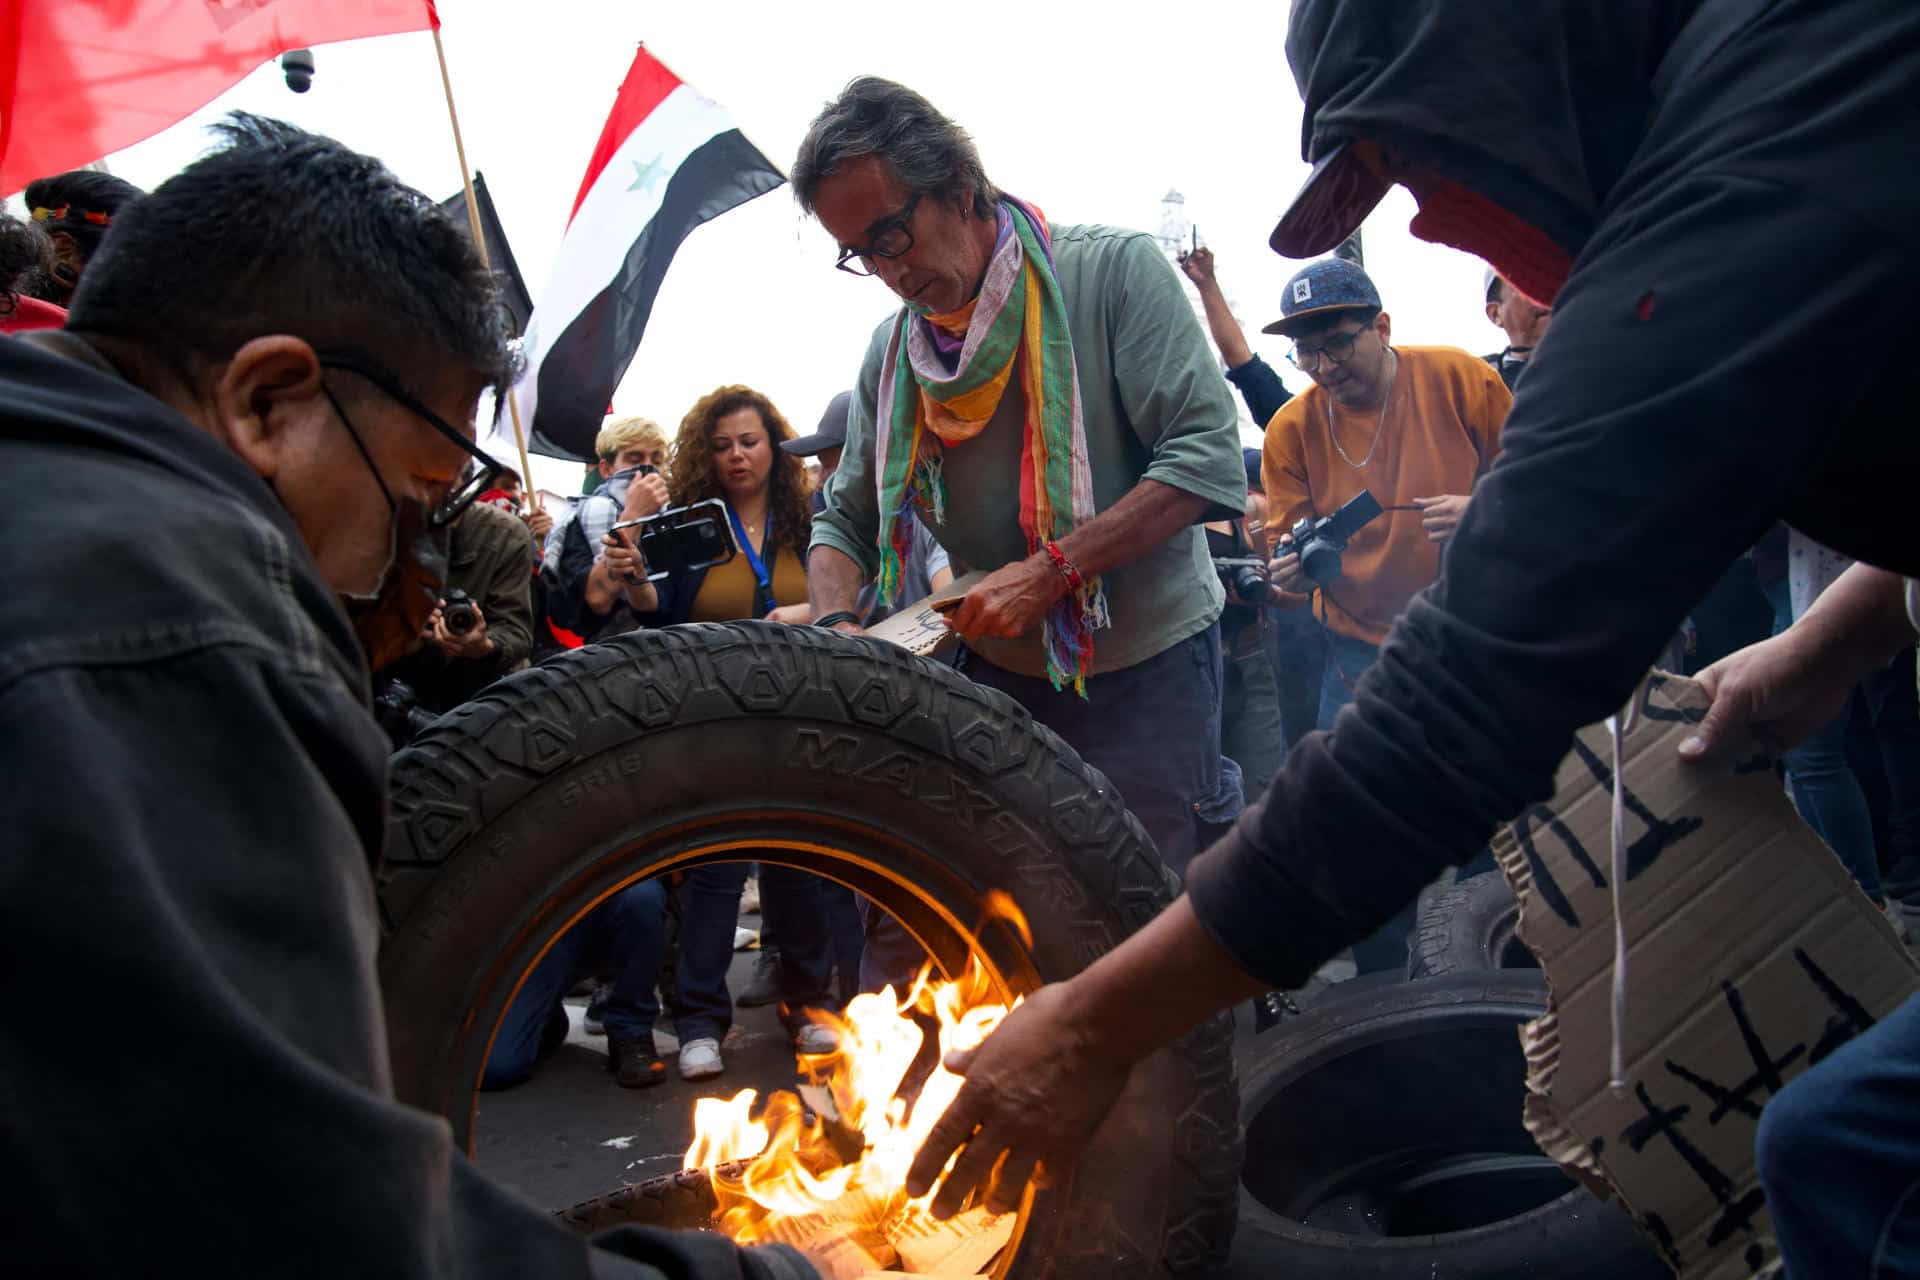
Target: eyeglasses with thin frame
{"type": "Point", "coordinates": [891, 238]}
{"type": "Point", "coordinates": [1337, 349]}
{"type": "Point", "coordinates": [483, 473]}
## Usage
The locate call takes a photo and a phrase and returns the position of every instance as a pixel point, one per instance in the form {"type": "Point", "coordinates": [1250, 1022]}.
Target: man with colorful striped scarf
{"type": "Point", "coordinates": [1046, 403]}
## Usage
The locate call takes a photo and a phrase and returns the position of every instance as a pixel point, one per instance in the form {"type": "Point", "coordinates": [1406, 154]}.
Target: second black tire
{"type": "Point", "coordinates": [1384, 1142]}
{"type": "Point", "coordinates": [1469, 927]}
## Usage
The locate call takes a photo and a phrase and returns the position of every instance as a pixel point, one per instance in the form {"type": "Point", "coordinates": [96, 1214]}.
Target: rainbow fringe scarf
{"type": "Point", "coordinates": [931, 399]}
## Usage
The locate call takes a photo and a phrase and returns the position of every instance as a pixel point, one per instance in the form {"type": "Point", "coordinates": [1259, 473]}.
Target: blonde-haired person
{"type": "Point", "coordinates": [632, 460]}
{"type": "Point", "coordinates": [728, 448]}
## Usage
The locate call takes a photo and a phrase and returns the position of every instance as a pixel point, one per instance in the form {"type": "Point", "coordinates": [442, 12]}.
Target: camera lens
{"type": "Point", "coordinates": [1250, 585]}
{"type": "Point", "coordinates": [1320, 561]}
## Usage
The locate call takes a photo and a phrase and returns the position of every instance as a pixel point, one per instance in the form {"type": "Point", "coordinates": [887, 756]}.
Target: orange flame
{"type": "Point", "coordinates": [849, 1163]}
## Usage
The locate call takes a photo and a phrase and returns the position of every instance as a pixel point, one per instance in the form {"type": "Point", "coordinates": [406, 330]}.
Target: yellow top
{"type": "Point", "coordinates": [727, 593]}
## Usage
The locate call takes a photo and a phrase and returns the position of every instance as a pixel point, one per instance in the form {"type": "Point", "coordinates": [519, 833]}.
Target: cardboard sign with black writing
{"type": "Point", "coordinates": [1751, 955]}
{"type": "Point", "coordinates": [921, 627]}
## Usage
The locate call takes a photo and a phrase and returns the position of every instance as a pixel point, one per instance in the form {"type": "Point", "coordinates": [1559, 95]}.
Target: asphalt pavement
{"type": "Point", "coordinates": [571, 1133]}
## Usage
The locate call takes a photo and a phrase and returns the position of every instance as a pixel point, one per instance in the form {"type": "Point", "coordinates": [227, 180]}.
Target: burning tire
{"type": "Point", "coordinates": [1384, 1142]}
{"type": "Point", "coordinates": [1468, 928]}
{"type": "Point", "coordinates": [662, 750]}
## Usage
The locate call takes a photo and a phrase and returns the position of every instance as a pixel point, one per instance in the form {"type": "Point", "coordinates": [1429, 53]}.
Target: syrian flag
{"type": "Point", "coordinates": [667, 161]}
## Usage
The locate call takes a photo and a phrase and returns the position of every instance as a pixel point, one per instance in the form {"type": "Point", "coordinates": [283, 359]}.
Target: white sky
{"type": "Point", "coordinates": [1091, 115]}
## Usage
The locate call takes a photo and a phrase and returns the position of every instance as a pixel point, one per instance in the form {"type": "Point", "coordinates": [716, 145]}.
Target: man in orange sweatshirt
{"type": "Point", "coordinates": [1415, 426]}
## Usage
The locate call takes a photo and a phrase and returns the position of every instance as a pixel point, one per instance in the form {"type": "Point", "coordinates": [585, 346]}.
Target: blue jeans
{"type": "Point", "coordinates": [1299, 652]}
{"type": "Point", "coordinates": [846, 932]}
{"type": "Point", "coordinates": [624, 935]}
{"type": "Point", "coordinates": [891, 957]}
{"type": "Point", "coordinates": [792, 907]}
{"type": "Point", "coordinates": [1824, 787]}
{"type": "Point", "coordinates": [1347, 660]}
{"type": "Point", "coordinates": [1153, 729]}
{"type": "Point", "coordinates": [1888, 699]}
{"type": "Point", "coordinates": [1839, 1156]}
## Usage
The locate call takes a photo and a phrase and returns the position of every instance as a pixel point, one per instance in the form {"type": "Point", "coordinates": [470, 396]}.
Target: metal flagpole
{"type": "Point", "coordinates": [480, 243]}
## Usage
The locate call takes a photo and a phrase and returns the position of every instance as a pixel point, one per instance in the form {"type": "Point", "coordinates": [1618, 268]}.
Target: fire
{"type": "Point", "coordinates": [843, 1167]}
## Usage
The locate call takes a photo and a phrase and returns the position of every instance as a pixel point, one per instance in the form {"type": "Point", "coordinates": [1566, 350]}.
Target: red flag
{"type": "Point", "coordinates": [80, 80]}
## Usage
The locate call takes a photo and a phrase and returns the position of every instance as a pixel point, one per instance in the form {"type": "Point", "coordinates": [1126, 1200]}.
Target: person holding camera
{"type": "Point", "coordinates": [587, 595]}
{"type": "Point", "coordinates": [726, 452]}
{"type": "Point", "coordinates": [482, 628]}
{"type": "Point", "coordinates": [1413, 426]}
{"type": "Point", "coordinates": [1368, 472]}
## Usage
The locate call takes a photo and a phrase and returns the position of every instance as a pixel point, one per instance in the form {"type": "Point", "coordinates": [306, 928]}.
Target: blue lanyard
{"type": "Point", "coordinates": [757, 559]}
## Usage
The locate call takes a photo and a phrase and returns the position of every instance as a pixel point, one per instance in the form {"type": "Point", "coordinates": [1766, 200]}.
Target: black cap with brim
{"type": "Point", "coordinates": [1337, 196]}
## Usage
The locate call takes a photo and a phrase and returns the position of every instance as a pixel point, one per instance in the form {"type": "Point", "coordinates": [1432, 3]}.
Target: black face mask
{"type": "Point", "coordinates": [389, 620]}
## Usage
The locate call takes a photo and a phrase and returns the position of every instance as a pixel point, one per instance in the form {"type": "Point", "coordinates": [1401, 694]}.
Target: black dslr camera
{"type": "Point", "coordinates": [1319, 543]}
{"type": "Point", "coordinates": [1245, 576]}
{"type": "Point", "coordinates": [458, 613]}
{"type": "Point", "coordinates": [397, 707]}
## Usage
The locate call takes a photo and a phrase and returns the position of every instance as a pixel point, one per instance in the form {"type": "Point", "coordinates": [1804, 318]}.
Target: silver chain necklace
{"type": "Point", "coordinates": [1378, 427]}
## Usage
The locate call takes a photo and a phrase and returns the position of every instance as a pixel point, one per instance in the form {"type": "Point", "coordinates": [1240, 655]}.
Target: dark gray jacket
{"type": "Point", "coordinates": [1734, 346]}
{"type": "Point", "coordinates": [194, 1061]}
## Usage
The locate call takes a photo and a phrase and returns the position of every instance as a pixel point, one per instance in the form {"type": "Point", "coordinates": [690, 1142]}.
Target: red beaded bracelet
{"type": "Point", "coordinates": [1067, 568]}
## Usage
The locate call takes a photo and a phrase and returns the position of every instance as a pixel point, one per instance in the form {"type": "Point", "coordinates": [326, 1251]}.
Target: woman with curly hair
{"type": "Point", "coordinates": [728, 448]}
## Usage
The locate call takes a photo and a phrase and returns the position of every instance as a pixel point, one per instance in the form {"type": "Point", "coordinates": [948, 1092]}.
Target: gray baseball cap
{"type": "Point", "coordinates": [1331, 284]}
{"type": "Point", "coordinates": [830, 434]}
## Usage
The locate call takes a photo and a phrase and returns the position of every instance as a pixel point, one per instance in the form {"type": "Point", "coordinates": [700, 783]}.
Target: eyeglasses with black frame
{"type": "Point", "coordinates": [1338, 349]}
{"type": "Point", "coordinates": [482, 474]}
{"type": "Point", "coordinates": [891, 238]}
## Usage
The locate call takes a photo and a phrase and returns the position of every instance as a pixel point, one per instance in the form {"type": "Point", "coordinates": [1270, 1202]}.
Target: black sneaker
{"type": "Point", "coordinates": [635, 1063]}
{"type": "Point", "coordinates": [764, 986]}
{"type": "Point", "coordinates": [596, 1017]}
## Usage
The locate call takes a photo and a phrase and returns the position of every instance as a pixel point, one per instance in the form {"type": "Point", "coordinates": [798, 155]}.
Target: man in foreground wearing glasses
{"type": "Point", "coordinates": [1045, 402]}
{"type": "Point", "coordinates": [233, 471]}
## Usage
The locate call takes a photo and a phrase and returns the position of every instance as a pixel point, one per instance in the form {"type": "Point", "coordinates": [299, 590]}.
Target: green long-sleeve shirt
{"type": "Point", "coordinates": [1155, 407]}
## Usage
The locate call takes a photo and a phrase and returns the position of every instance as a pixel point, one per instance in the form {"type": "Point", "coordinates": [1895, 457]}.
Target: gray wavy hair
{"type": "Point", "coordinates": [928, 153]}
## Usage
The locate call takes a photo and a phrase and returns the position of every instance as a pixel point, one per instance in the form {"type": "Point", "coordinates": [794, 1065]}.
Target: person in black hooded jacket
{"type": "Point", "coordinates": [1719, 202]}
{"type": "Point", "coordinates": [207, 464]}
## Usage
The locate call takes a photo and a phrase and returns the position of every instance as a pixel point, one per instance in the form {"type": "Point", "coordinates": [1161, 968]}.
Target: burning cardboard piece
{"type": "Point", "coordinates": [1751, 956]}
{"type": "Point", "coordinates": [963, 1245]}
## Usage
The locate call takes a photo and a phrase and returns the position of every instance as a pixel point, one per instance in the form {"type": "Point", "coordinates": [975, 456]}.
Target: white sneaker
{"type": "Point", "coordinates": [813, 1038]}
{"type": "Point", "coordinates": [1909, 916]}
{"type": "Point", "coordinates": [700, 1059]}
{"type": "Point", "coordinates": [1891, 910]}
